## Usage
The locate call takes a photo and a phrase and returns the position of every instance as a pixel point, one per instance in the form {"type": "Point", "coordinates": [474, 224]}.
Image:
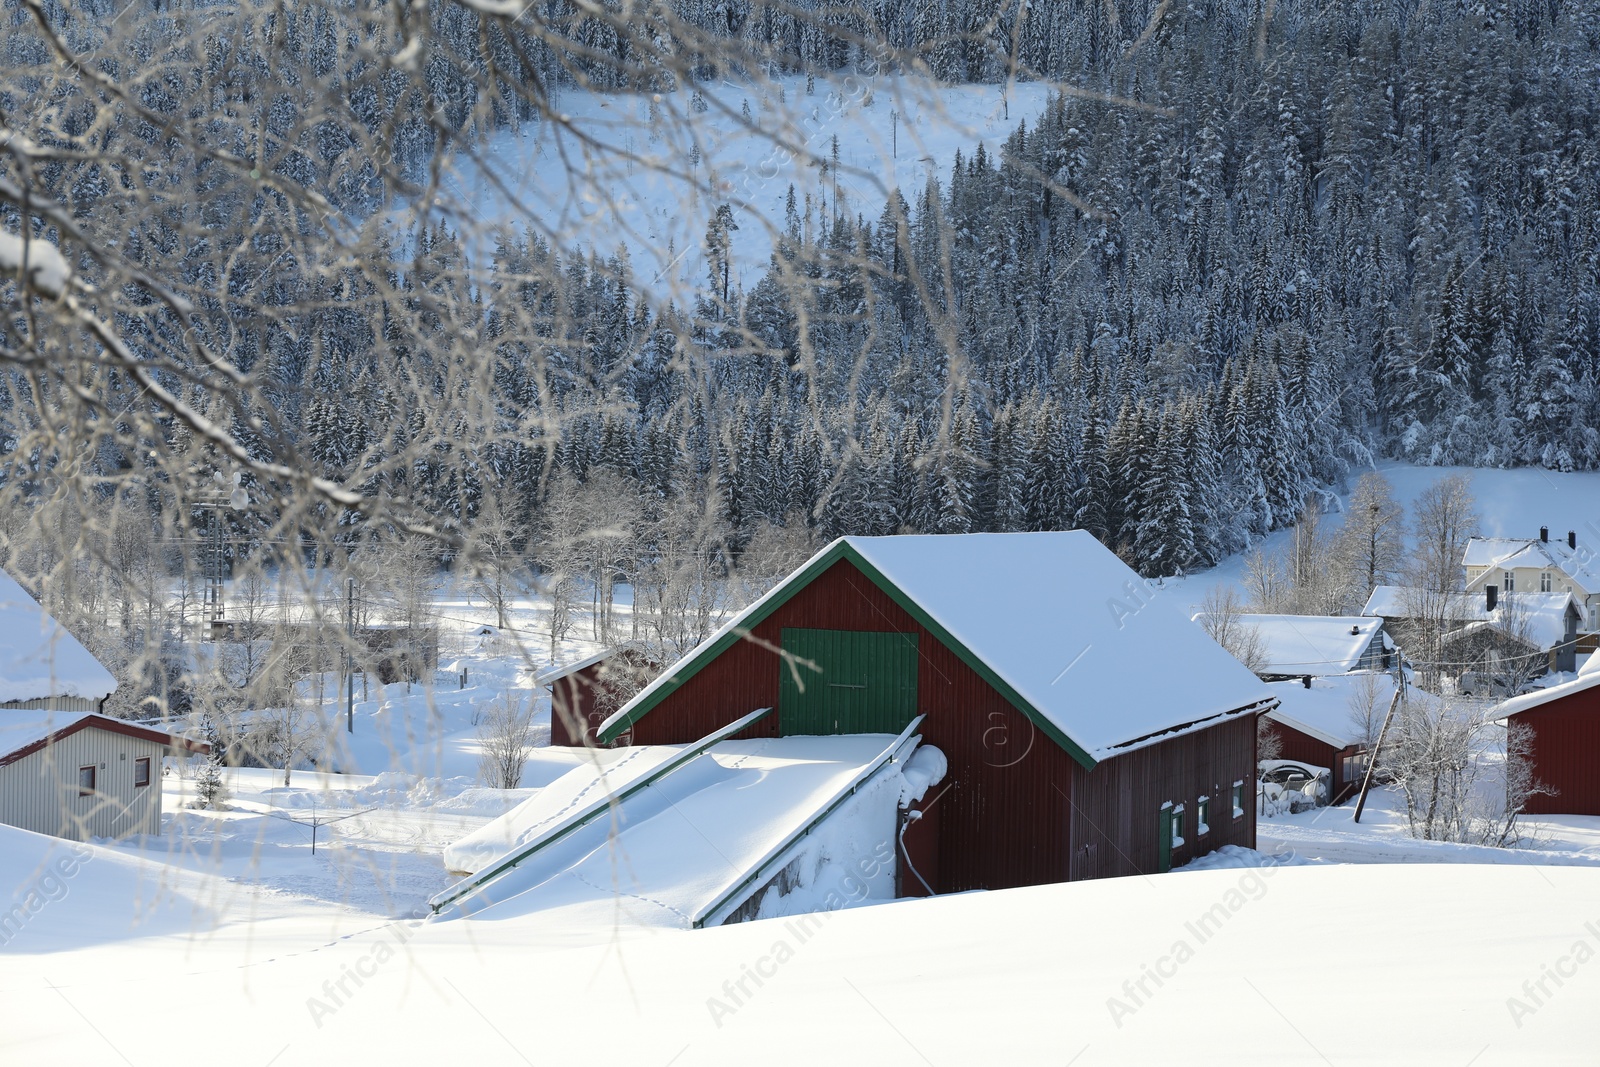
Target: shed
{"type": "Point", "coordinates": [1295, 646]}
{"type": "Point", "coordinates": [1029, 655]}
{"type": "Point", "coordinates": [1330, 723]}
{"type": "Point", "coordinates": [1565, 749]}
{"type": "Point", "coordinates": [79, 775]}
{"type": "Point", "coordinates": [42, 666]}
{"type": "Point", "coordinates": [590, 690]}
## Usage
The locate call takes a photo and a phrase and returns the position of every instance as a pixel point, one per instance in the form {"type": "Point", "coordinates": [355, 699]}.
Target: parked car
{"type": "Point", "coordinates": [1308, 786]}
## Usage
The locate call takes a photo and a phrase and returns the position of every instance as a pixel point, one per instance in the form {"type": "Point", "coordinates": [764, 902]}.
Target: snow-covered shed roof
{"type": "Point", "coordinates": [555, 674]}
{"type": "Point", "coordinates": [1394, 602]}
{"type": "Point", "coordinates": [1324, 710]}
{"type": "Point", "coordinates": [38, 657]}
{"type": "Point", "coordinates": [1509, 553]}
{"type": "Point", "coordinates": [1312, 644]}
{"type": "Point", "coordinates": [25, 732]}
{"type": "Point", "coordinates": [1100, 659]}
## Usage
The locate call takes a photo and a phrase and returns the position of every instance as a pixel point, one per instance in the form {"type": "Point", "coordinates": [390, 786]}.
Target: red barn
{"type": "Point", "coordinates": [1091, 729]}
{"type": "Point", "coordinates": [1565, 720]}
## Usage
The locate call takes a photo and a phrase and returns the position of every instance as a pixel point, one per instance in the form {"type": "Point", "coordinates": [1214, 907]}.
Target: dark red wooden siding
{"type": "Point", "coordinates": [572, 702]}
{"type": "Point", "coordinates": [1006, 819]}
{"type": "Point", "coordinates": [1566, 753]}
{"type": "Point", "coordinates": [1116, 806]}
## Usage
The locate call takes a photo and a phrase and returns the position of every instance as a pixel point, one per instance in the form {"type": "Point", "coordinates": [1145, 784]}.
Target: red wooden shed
{"type": "Point", "coordinates": [1565, 720]}
{"type": "Point", "coordinates": [585, 693]}
{"type": "Point", "coordinates": [1316, 724]}
{"type": "Point", "coordinates": [1091, 728]}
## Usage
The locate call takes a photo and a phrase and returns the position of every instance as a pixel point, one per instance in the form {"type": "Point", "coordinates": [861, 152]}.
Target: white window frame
{"type": "Point", "coordinates": [1545, 582]}
{"type": "Point", "coordinates": [1508, 582]}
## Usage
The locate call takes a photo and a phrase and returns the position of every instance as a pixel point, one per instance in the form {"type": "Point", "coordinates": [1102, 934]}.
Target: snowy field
{"type": "Point", "coordinates": [1337, 964]}
{"type": "Point", "coordinates": [1337, 941]}
{"type": "Point", "coordinates": [613, 189]}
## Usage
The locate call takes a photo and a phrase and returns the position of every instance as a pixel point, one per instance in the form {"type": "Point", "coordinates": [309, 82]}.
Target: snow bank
{"type": "Point", "coordinates": [66, 894]}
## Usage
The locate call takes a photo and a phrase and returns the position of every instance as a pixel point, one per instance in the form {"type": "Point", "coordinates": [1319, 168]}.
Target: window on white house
{"type": "Point", "coordinates": [141, 771]}
{"type": "Point", "coordinates": [1238, 800]}
{"type": "Point", "coordinates": [1508, 582]}
{"type": "Point", "coordinates": [85, 781]}
{"type": "Point", "coordinates": [1544, 581]}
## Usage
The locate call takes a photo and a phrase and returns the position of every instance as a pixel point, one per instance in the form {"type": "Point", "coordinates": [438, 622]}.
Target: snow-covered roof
{"type": "Point", "coordinates": [1509, 553]}
{"type": "Point", "coordinates": [1324, 710]}
{"type": "Point", "coordinates": [553, 674]}
{"type": "Point", "coordinates": [38, 657]}
{"type": "Point", "coordinates": [1103, 660]}
{"type": "Point", "coordinates": [1588, 678]}
{"type": "Point", "coordinates": [1543, 614]}
{"type": "Point", "coordinates": [1393, 602]}
{"type": "Point", "coordinates": [23, 729]}
{"type": "Point", "coordinates": [1311, 644]}
{"type": "Point", "coordinates": [22, 732]}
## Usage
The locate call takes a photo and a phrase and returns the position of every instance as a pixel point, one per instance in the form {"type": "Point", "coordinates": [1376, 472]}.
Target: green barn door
{"type": "Point", "coordinates": [849, 682]}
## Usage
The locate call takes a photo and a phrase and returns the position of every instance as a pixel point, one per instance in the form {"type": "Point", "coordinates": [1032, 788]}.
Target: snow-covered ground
{"type": "Point", "coordinates": [615, 189]}
{"type": "Point", "coordinates": [1265, 964]}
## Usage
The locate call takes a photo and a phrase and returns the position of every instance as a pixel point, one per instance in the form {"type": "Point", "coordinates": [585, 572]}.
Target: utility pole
{"type": "Point", "coordinates": [349, 650]}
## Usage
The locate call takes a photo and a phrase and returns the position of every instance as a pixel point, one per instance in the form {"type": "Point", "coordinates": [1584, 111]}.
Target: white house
{"type": "Point", "coordinates": [1537, 565]}
{"type": "Point", "coordinates": [42, 666]}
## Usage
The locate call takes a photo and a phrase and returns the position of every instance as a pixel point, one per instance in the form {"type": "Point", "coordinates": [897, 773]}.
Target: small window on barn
{"type": "Point", "coordinates": [141, 771]}
{"type": "Point", "coordinates": [1204, 813]}
{"type": "Point", "coordinates": [1355, 767]}
{"type": "Point", "coordinates": [85, 780]}
{"type": "Point", "coordinates": [1176, 815]}
{"type": "Point", "coordinates": [1238, 800]}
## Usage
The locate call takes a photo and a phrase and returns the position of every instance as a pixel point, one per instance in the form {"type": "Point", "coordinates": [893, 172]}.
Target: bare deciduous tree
{"type": "Point", "coordinates": [505, 734]}
{"type": "Point", "coordinates": [1222, 617]}
{"type": "Point", "coordinates": [1370, 547]}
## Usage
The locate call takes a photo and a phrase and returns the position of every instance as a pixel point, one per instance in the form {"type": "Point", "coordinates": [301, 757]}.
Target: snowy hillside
{"type": "Point", "coordinates": [892, 133]}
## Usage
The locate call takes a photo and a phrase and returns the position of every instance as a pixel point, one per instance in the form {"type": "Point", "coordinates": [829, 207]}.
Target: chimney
{"type": "Point", "coordinates": [1572, 539]}
{"type": "Point", "coordinates": [1544, 534]}
{"type": "Point", "coordinates": [1307, 681]}
{"type": "Point", "coordinates": [1491, 596]}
